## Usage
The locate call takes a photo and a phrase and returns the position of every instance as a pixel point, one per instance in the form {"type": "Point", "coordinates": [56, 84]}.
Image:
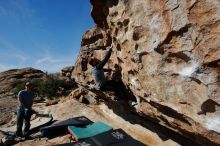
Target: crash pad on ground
{"type": "Point", "coordinates": [88, 131]}
{"type": "Point", "coordinates": [61, 127]}
{"type": "Point", "coordinates": [115, 137]}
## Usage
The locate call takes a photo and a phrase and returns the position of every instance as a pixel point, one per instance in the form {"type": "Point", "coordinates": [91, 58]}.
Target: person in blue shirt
{"type": "Point", "coordinates": [24, 109]}
{"type": "Point", "coordinates": [101, 82]}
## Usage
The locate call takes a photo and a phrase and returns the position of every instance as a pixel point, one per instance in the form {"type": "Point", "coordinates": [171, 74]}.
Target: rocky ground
{"type": "Point", "coordinates": [111, 113]}
{"type": "Point", "coordinates": [7, 107]}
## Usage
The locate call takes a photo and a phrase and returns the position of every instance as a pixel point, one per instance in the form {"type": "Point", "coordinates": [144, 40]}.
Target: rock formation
{"type": "Point", "coordinates": [9, 79]}
{"type": "Point", "coordinates": [66, 71]}
{"type": "Point", "coordinates": [169, 52]}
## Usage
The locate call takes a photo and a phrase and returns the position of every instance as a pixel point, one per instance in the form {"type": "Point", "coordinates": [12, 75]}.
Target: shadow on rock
{"type": "Point", "coordinates": [164, 133]}
{"type": "Point", "coordinates": [208, 106]}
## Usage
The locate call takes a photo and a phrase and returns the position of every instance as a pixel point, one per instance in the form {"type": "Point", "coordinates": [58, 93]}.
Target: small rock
{"type": "Point", "coordinates": [52, 102]}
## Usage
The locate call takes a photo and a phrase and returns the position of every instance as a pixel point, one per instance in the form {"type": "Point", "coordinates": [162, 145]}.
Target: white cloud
{"type": "Point", "coordinates": [15, 8]}
{"type": "Point", "coordinates": [22, 58]}
{"type": "Point", "coordinates": [14, 61]}
{"type": "Point", "coordinates": [11, 52]}
{"type": "Point", "coordinates": [52, 63]}
{"type": "Point", "coordinates": [47, 60]}
{"type": "Point", "coordinates": [18, 13]}
{"type": "Point", "coordinates": [4, 67]}
{"type": "Point", "coordinates": [15, 13]}
{"type": "Point", "coordinates": [7, 44]}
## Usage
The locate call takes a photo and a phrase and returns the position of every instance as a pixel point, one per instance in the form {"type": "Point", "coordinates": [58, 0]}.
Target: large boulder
{"type": "Point", "coordinates": [66, 71]}
{"type": "Point", "coordinates": [170, 58]}
{"type": "Point", "coordinates": [9, 79]}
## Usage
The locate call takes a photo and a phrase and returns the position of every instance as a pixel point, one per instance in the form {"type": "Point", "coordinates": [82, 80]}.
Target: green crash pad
{"type": "Point", "coordinates": [89, 131]}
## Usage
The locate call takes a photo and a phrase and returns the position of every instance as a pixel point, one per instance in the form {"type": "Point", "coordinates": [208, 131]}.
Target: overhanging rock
{"type": "Point", "coordinates": [170, 58]}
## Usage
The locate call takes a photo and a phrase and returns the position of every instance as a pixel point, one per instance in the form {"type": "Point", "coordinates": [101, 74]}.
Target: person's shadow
{"type": "Point", "coordinates": [208, 106]}
{"type": "Point", "coordinates": [117, 77]}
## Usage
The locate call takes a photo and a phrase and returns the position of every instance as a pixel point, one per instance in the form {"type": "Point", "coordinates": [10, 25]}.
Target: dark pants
{"type": "Point", "coordinates": [116, 86]}
{"type": "Point", "coordinates": [23, 115]}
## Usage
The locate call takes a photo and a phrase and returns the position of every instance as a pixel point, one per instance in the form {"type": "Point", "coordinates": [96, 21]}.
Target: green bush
{"type": "Point", "coordinates": [49, 87]}
{"type": "Point", "coordinates": [19, 87]}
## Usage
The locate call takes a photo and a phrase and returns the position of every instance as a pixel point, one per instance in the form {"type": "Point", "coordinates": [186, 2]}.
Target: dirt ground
{"type": "Point", "coordinates": [114, 116]}
{"type": "Point", "coordinates": [7, 107]}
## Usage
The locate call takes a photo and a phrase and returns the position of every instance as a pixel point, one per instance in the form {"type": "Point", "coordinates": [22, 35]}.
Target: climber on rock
{"type": "Point", "coordinates": [101, 82]}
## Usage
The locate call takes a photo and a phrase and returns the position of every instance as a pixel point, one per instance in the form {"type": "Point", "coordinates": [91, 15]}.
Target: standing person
{"type": "Point", "coordinates": [100, 79]}
{"type": "Point", "coordinates": [24, 110]}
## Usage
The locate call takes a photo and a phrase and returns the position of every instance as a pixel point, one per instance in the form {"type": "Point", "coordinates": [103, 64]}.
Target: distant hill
{"type": "Point", "coordinates": [10, 78]}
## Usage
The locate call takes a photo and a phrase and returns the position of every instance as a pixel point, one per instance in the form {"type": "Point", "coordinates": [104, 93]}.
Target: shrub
{"type": "Point", "coordinates": [19, 87]}
{"type": "Point", "coordinates": [49, 87]}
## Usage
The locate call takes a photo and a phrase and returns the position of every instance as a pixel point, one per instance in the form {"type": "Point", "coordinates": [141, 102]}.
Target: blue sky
{"type": "Point", "coordinates": [44, 34]}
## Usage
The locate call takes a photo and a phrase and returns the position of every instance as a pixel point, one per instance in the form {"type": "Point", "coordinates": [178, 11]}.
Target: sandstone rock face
{"type": "Point", "coordinates": [66, 71]}
{"type": "Point", "coordinates": [9, 79]}
{"type": "Point", "coordinates": [169, 52]}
